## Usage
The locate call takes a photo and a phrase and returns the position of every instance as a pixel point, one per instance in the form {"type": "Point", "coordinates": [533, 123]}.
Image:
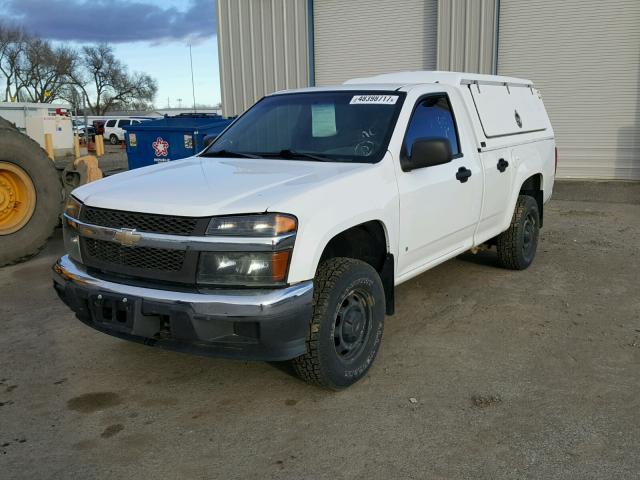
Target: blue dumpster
{"type": "Point", "coordinates": [170, 138]}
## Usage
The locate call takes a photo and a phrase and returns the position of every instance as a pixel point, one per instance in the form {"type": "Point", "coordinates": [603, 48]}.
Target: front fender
{"type": "Point", "coordinates": [327, 211]}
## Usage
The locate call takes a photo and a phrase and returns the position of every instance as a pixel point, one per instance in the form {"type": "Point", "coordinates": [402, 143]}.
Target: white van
{"type": "Point", "coordinates": [113, 130]}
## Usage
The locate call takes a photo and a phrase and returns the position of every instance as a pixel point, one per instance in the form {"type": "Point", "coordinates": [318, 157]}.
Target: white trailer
{"type": "Point", "coordinates": [37, 119]}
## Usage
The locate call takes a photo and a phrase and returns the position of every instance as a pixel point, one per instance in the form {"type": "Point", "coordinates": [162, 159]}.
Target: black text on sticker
{"type": "Point", "coordinates": [374, 99]}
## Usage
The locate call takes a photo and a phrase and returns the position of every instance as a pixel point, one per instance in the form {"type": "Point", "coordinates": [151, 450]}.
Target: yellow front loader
{"type": "Point", "coordinates": [33, 188]}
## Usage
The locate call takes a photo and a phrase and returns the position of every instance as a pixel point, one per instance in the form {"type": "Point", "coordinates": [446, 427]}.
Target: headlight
{"type": "Point", "coordinates": [243, 269]}
{"type": "Point", "coordinates": [266, 225]}
{"type": "Point", "coordinates": [71, 239]}
{"type": "Point", "coordinates": [70, 229]}
{"type": "Point", "coordinates": [72, 208]}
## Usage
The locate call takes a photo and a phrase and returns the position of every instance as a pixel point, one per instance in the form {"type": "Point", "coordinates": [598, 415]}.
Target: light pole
{"type": "Point", "coordinates": [193, 85]}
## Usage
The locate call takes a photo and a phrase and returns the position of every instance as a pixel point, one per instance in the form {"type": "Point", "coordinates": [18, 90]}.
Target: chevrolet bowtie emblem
{"type": "Point", "coordinates": [127, 237]}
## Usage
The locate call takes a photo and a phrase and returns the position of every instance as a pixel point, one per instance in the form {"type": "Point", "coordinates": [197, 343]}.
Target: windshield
{"type": "Point", "coordinates": [340, 126]}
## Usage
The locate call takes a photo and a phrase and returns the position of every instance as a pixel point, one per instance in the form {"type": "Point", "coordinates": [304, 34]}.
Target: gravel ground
{"type": "Point", "coordinates": [114, 160]}
{"type": "Point", "coordinates": [482, 373]}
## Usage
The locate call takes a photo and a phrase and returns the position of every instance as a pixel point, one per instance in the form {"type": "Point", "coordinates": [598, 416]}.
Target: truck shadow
{"type": "Point", "coordinates": [284, 367]}
{"type": "Point", "coordinates": [166, 368]}
{"type": "Point", "coordinates": [485, 258]}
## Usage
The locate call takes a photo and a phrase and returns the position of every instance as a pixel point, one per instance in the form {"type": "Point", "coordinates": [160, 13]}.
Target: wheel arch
{"type": "Point", "coordinates": [533, 187]}
{"type": "Point", "coordinates": [369, 242]}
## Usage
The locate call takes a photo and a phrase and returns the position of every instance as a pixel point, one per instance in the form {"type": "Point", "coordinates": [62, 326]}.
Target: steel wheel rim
{"type": "Point", "coordinates": [17, 198]}
{"type": "Point", "coordinates": [352, 325]}
{"type": "Point", "coordinates": [528, 235]}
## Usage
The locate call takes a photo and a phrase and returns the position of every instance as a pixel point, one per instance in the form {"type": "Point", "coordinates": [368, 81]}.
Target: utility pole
{"type": "Point", "coordinates": [193, 85]}
{"type": "Point", "coordinates": [86, 121]}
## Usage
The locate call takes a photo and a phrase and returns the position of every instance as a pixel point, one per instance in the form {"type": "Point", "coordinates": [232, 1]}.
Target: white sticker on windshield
{"type": "Point", "coordinates": [323, 120]}
{"type": "Point", "coordinates": [374, 99]}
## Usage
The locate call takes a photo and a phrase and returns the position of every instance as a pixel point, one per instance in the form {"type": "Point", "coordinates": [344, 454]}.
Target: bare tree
{"type": "Point", "coordinates": [72, 95]}
{"type": "Point", "coordinates": [38, 71]}
{"type": "Point", "coordinates": [45, 70]}
{"type": "Point", "coordinates": [33, 68]}
{"type": "Point", "coordinates": [106, 83]}
{"type": "Point", "coordinates": [13, 43]}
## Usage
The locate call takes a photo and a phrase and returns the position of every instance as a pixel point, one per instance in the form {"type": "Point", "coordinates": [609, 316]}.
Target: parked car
{"type": "Point", "coordinates": [78, 126]}
{"type": "Point", "coordinates": [113, 130]}
{"type": "Point", "coordinates": [84, 130]}
{"type": "Point", "coordinates": [285, 238]}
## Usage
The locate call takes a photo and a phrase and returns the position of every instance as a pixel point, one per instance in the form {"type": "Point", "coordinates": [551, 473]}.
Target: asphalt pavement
{"type": "Point", "coordinates": [483, 373]}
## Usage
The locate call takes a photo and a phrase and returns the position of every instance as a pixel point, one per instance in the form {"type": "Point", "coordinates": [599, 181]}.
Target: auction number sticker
{"type": "Point", "coordinates": [374, 99]}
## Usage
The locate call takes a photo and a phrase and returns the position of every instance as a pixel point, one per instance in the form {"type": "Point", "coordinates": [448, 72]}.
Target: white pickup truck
{"type": "Point", "coordinates": [284, 239]}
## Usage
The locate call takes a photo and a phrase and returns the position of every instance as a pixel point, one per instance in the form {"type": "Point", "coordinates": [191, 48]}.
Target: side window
{"type": "Point", "coordinates": [122, 123]}
{"type": "Point", "coordinates": [432, 118]}
{"type": "Point", "coordinates": [110, 123]}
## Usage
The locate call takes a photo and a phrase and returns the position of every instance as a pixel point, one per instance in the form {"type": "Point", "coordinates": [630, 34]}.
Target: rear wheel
{"type": "Point", "coordinates": [113, 139]}
{"type": "Point", "coordinates": [346, 326]}
{"type": "Point", "coordinates": [30, 196]}
{"type": "Point", "coordinates": [517, 246]}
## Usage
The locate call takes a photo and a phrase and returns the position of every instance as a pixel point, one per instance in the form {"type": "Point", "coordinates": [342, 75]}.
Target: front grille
{"type": "Point", "coordinates": [145, 222]}
{"type": "Point", "coordinates": [144, 258]}
{"type": "Point", "coordinates": [163, 265]}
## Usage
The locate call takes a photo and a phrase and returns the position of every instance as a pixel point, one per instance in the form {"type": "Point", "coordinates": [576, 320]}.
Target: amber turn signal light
{"type": "Point", "coordinates": [279, 265]}
{"type": "Point", "coordinates": [285, 224]}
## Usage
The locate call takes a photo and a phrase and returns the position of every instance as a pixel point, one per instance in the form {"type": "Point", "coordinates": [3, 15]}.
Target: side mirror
{"type": "Point", "coordinates": [426, 152]}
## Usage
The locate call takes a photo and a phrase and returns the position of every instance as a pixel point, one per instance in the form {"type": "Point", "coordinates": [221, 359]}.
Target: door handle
{"type": "Point", "coordinates": [463, 174]}
{"type": "Point", "coordinates": [502, 165]}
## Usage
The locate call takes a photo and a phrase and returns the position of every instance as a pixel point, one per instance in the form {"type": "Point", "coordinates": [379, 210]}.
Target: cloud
{"type": "Point", "coordinates": [114, 21]}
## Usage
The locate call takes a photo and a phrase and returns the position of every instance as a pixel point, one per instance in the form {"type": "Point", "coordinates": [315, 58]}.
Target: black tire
{"type": "Point", "coordinates": [23, 152]}
{"type": "Point", "coordinates": [113, 139]}
{"type": "Point", "coordinates": [7, 124]}
{"type": "Point", "coordinates": [517, 245]}
{"type": "Point", "coordinates": [346, 325]}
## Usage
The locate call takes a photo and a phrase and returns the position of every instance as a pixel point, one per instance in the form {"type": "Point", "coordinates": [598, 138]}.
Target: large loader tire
{"type": "Point", "coordinates": [30, 196]}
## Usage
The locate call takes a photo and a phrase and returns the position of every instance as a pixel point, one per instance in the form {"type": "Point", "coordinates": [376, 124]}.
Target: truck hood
{"type": "Point", "coordinates": [201, 187]}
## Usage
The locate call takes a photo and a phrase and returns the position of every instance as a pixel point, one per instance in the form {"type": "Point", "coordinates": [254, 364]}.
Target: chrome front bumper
{"type": "Point", "coordinates": [254, 324]}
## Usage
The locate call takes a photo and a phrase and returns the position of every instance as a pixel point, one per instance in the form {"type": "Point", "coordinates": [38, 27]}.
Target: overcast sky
{"type": "Point", "coordinates": [150, 36]}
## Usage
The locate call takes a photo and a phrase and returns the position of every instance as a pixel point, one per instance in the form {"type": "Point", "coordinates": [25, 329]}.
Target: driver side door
{"type": "Point", "coordinates": [439, 207]}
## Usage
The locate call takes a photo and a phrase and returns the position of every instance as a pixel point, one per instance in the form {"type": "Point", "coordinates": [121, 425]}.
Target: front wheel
{"type": "Point", "coordinates": [517, 245]}
{"type": "Point", "coordinates": [346, 325]}
{"type": "Point", "coordinates": [113, 139]}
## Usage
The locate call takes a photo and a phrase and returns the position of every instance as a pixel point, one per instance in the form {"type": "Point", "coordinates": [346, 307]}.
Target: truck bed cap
{"type": "Point", "coordinates": [379, 86]}
{"type": "Point", "coordinates": [449, 78]}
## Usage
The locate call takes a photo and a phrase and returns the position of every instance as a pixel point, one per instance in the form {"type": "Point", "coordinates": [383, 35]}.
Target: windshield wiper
{"type": "Point", "coordinates": [228, 153]}
{"type": "Point", "coordinates": [292, 154]}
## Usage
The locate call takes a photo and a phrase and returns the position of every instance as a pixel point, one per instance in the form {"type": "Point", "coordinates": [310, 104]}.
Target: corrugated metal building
{"type": "Point", "coordinates": [584, 56]}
